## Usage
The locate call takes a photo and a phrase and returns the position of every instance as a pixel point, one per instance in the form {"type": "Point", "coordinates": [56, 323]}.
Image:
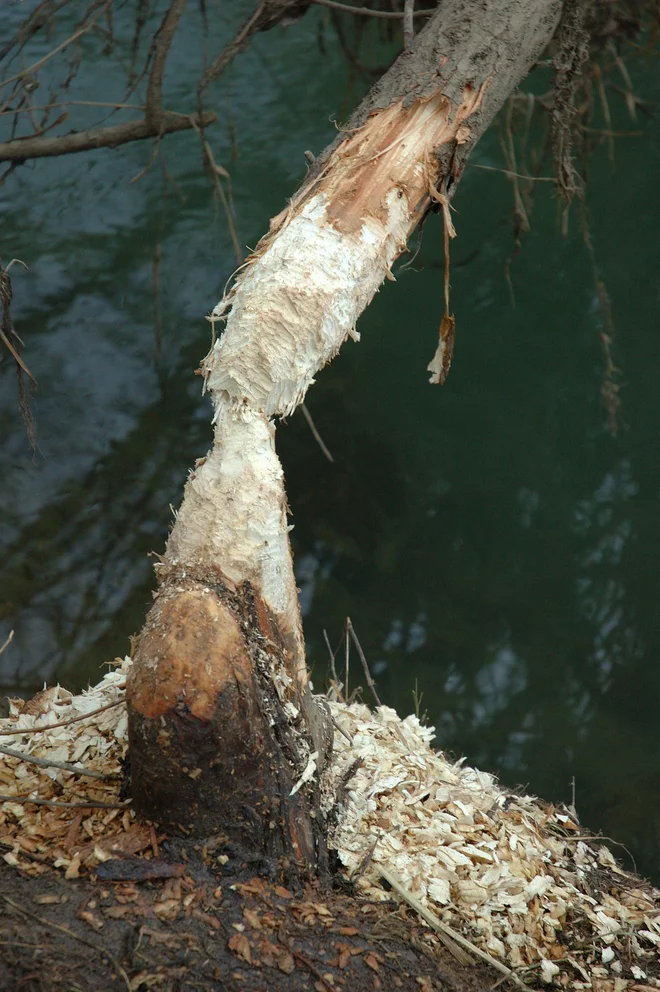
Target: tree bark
{"type": "Point", "coordinates": [225, 735]}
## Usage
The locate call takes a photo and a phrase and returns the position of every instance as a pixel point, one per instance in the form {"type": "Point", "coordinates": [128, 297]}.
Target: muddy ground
{"type": "Point", "coordinates": [196, 919]}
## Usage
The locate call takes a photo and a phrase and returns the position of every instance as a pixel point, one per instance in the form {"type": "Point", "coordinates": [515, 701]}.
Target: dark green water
{"type": "Point", "coordinates": [492, 542]}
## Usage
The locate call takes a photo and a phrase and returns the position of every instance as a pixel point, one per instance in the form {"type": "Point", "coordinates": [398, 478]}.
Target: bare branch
{"type": "Point", "coordinates": [33, 23]}
{"type": "Point", "coordinates": [37, 65]}
{"type": "Point", "coordinates": [62, 723]}
{"type": "Point", "coordinates": [21, 149]}
{"type": "Point", "coordinates": [164, 37]}
{"type": "Point", "coordinates": [32, 759]}
{"type": "Point", "coordinates": [266, 15]}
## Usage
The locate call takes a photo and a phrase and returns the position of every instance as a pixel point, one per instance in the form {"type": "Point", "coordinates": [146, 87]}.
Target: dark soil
{"type": "Point", "coordinates": [205, 925]}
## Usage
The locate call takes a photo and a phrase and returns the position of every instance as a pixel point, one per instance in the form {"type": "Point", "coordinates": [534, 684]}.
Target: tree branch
{"type": "Point", "coordinates": [266, 15]}
{"type": "Point", "coordinates": [21, 149]}
{"type": "Point", "coordinates": [373, 12]}
{"type": "Point", "coordinates": [164, 37]}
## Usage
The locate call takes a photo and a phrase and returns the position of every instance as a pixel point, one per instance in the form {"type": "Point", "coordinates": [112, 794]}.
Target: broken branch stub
{"type": "Point", "coordinates": [222, 723]}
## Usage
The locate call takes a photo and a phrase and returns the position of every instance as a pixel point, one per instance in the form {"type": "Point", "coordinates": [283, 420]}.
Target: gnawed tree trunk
{"type": "Point", "coordinates": [225, 735]}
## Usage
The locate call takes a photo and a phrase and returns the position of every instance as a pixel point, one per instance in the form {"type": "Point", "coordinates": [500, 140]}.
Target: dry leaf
{"type": "Point", "coordinates": [239, 945]}
{"type": "Point", "coordinates": [441, 361]}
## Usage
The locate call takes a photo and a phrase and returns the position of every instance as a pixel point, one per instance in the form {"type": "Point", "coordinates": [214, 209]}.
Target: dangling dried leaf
{"type": "Point", "coordinates": [441, 361]}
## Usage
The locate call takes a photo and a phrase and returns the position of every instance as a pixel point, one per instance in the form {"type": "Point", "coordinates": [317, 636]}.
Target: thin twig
{"type": "Point", "coordinates": [315, 434]}
{"type": "Point", "coordinates": [514, 175]}
{"type": "Point", "coordinates": [90, 943]}
{"type": "Point", "coordinates": [10, 638]}
{"type": "Point", "coordinates": [366, 860]}
{"type": "Point", "coordinates": [37, 65]}
{"type": "Point", "coordinates": [86, 103]}
{"type": "Point", "coordinates": [370, 682]}
{"type": "Point", "coordinates": [230, 51]}
{"type": "Point", "coordinates": [64, 723]}
{"type": "Point", "coordinates": [365, 667]}
{"type": "Point", "coordinates": [91, 804]}
{"type": "Point", "coordinates": [31, 759]}
{"type": "Point", "coordinates": [158, 323]}
{"type": "Point", "coordinates": [332, 654]}
{"type": "Point", "coordinates": [369, 12]}
{"type": "Point", "coordinates": [449, 937]}
{"type": "Point", "coordinates": [341, 730]}
{"type": "Point", "coordinates": [218, 172]}
{"type": "Point", "coordinates": [154, 155]}
{"type": "Point", "coordinates": [29, 27]}
{"type": "Point", "coordinates": [312, 968]}
{"type": "Point", "coordinates": [576, 837]}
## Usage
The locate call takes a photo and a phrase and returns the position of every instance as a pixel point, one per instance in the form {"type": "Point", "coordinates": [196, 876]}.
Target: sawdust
{"type": "Point", "coordinates": [508, 872]}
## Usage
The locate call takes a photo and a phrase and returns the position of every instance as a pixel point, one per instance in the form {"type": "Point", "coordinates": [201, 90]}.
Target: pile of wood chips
{"type": "Point", "coordinates": [507, 872]}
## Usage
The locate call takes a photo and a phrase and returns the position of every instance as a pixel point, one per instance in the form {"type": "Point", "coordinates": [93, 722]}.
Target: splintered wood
{"type": "Point", "coordinates": [507, 872]}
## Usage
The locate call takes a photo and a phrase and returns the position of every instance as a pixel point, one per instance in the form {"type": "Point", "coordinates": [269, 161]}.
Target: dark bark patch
{"type": "Point", "coordinates": [220, 730]}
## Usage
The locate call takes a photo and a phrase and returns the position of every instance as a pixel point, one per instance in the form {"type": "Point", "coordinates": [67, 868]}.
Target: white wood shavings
{"type": "Point", "coordinates": [506, 871]}
{"type": "Point", "coordinates": [308, 773]}
{"type": "Point", "coordinates": [96, 744]}
{"type": "Point", "coordinates": [548, 970]}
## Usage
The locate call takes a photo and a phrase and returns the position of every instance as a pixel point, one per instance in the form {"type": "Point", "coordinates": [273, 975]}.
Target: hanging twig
{"type": "Point", "coordinates": [64, 723]}
{"type": "Point", "coordinates": [63, 765]}
{"type": "Point", "coordinates": [317, 437]}
{"type": "Point", "coordinates": [158, 323]}
{"type": "Point", "coordinates": [440, 364]}
{"type": "Point", "coordinates": [10, 638]}
{"type": "Point", "coordinates": [218, 172]}
{"type": "Point", "coordinates": [513, 175]}
{"type": "Point", "coordinates": [12, 341]}
{"type": "Point", "coordinates": [164, 37]}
